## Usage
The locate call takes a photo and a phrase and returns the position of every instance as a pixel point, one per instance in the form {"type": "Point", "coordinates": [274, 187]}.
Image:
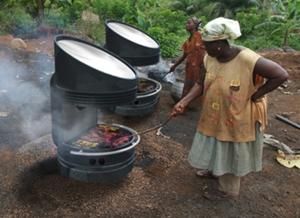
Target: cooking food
{"type": "Point", "coordinates": [145, 85]}
{"type": "Point", "coordinates": [104, 136]}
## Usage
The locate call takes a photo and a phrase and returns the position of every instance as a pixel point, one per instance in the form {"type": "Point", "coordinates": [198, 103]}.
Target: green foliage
{"type": "Point", "coordinates": [72, 9]}
{"type": "Point", "coordinates": [228, 8]}
{"type": "Point", "coordinates": [56, 18]}
{"type": "Point", "coordinates": [285, 21]}
{"type": "Point", "coordinates": [163, 24]}
{"type": "Point", "coordinates": [108, 9]}
{"type": "Point", "coordinates": [168, 41]}
{"type": "Point", "coordinates": [188, 6]}
{"type": "Point", "coordinates": [16, 21]}
{"type": "Point", "coordinates": [212, 9]}
{"type": "Point", "coordinates": [132, 13]}
{"type": "Point", "coordinates": [171, 21]}
{"type": "Point", "coordinates": [93, 31]}
{"type": "Point", "coordinates": [294, 42]}
{"type": "Point", "coordinates": [249, 20]}
{"type": "Point", "coordinates": [264, 23]}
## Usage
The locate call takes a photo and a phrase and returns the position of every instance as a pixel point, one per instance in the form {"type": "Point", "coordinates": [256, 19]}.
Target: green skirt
{"type": "Point", "coordinates": [221, 157]}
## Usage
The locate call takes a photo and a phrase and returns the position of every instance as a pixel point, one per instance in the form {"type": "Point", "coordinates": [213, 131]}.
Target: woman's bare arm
{"type": "Point", "coordinates": [179, 61]}
{"type": "Point", "coordinates": [274, 74]}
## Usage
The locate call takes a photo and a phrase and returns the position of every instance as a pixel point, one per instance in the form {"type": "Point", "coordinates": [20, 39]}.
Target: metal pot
{"type": "Point", "coordinates": [144, 103]}
{"type": "Point", "coordinates": [131, 44]}
{"type": "Point", "coordinates": [98, 165]}
{"type": "Point", "coordinates": [82, 68]}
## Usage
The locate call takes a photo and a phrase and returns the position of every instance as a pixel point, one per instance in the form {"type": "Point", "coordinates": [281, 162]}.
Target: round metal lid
{"type": "Point", "coordinates": [96, 58]}
{"type": "Point", "coordinates": [132, 34]}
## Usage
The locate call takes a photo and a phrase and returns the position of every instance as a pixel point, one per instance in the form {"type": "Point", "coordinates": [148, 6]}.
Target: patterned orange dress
{"type": "Point", "coordinates": [194, 49]}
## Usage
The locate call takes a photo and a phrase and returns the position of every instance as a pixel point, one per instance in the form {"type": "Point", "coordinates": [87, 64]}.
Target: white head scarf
{"type": "Point", "coordinates": [221, 28]}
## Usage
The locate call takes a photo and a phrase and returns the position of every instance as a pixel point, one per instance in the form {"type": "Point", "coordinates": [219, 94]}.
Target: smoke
{"type": "Point", "coordinates": [157, 71]}
{"type": "Point", "coordinates": [24, 92]}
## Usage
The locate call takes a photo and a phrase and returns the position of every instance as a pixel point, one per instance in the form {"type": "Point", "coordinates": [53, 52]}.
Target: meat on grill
{"type": "Point", "coordinates": [104, 135]}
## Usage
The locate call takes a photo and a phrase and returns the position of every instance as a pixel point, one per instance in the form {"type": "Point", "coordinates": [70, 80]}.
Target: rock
{"type": "Point", "coordinates": [89, 16]}
{"type": "Point", "coordinates": [18, 43]}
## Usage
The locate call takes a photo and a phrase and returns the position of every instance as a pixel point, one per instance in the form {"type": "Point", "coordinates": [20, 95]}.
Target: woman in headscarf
{"type": "Point", "coordinates": [193, 52]}
{"type": "Point", "coordinates": [229, 137]}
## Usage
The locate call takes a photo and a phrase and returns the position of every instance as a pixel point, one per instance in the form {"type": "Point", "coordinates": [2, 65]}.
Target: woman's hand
{"type": "Point", "coordinates": [179, 108]}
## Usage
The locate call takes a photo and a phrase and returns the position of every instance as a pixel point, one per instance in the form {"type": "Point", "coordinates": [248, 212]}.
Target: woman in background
{"type": "Point", "coordinates": [193, 52]}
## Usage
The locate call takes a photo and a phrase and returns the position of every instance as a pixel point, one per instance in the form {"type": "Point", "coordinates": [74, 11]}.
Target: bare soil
{"type": "Point", "coordinates": [161, 184]}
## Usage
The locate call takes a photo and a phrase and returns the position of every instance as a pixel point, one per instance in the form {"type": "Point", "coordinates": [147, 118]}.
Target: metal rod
{"type": "Point", "coordinates": [155, 127]}
{"type": "Point", "coordinates": [286, 120]}
{"type": "Point", "coordinates": [148, 130]}
{"type": "Point", "coordinates": [166, 74]}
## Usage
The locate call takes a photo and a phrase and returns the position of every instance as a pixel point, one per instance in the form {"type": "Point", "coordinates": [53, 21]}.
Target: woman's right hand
{"type": "Point", "coordinates": [179, 108]}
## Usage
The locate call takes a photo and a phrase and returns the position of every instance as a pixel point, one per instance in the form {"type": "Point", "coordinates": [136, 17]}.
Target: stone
{"type": "Point", "coordinates": [18, 43]}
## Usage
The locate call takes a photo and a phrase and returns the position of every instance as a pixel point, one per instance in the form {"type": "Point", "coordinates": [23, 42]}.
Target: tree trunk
{"type": "Point", "coordinates": [40, 10]}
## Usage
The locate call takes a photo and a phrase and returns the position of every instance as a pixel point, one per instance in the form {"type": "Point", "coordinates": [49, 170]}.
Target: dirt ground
{"type": "Point", "coordinates": [161, 184]}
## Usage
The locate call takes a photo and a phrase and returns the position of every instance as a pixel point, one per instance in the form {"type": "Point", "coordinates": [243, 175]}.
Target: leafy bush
{"type": "Point", "coordinates": [255, 38]}
{"type": "Point", "coordinates": [94, 31]}
{"type": "Point", "coordinates": [257, 43]}
{"type": "Point", "coordinates": [248, 20]}
{"type": "Point", "coordinates": [169, 42]}
{"type": "Point", "coordinates": [164, 25]}
{"type": "Point", "coordinates": [17, 21]}
{"type": "Point", "coordinates": [74, 9]}
{"type": "Point", "coordinates": [271, 27]}
{"type": "Point", "coordinates": [56, 18]}
{"type": "Point", "coordinates": [294, 42]}
{"type": "Point", "coordinates": [167, 27]}
{"type": "Point", "coordinates": [108, 9]}
{"type": "Point", "coordinates": [63, 13]}
{"type": "Point", "coordinates": [172, 21]}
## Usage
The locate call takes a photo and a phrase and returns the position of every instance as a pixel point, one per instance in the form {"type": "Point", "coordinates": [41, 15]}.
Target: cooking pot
{"type": "Point", "coordinates": [82, 68]}
{"type": "Point", "coordinates": [146, 99]}
{"type": "Point", "coordinates": [98, 165]}
{"type": "Point", "coordinates": [131, 44]}
{"type": "Point", "coordinates": [96, 99]}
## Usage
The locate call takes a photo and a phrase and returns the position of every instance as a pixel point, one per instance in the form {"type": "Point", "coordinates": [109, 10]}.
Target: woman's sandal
{"type": "Point", "coordinates": [205, 174]}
